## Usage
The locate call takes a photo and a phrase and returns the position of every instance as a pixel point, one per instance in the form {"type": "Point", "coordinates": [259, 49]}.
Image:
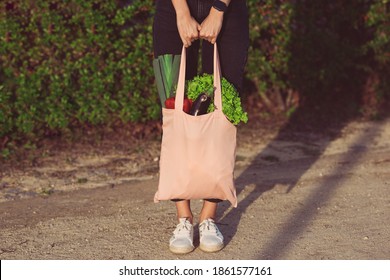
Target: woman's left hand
{"type": "Point", "coordinates": [211, 26]}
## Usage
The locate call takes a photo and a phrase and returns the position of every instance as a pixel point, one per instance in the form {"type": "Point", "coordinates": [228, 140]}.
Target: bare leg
{"type": "Point", "coordinates": [209, 210]}
{"type": "Point", "coordinates": [184, 210]}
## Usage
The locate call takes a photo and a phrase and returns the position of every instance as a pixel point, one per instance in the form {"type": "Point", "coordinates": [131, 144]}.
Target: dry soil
{"type": "Point", "coordinates": [303, 195]}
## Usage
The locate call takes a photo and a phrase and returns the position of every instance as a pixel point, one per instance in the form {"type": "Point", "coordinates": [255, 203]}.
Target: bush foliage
{"type": "Point", "coordinates": [71, 63]}
{"type": "Point", "coordinates": [74, 62]}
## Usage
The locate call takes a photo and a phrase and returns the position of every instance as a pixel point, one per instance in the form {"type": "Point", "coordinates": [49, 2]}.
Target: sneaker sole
{"type": "Point", "coordinates": [211, 249]}
{"type": "Point", "coordinates": [181, 250]}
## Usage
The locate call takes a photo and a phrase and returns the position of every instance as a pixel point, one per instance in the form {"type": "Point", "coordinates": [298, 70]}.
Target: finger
{"type": "Point", "coordinates": [210, 35]}
{"type": "Point", "coordinates": [201, 33]}
{"type": "Point", "coordinates": [209, 38]}
{"type": "Point", "coordinates": [185, 42]}
{"type": "Point", "coordinates": [192, 39]}
{"type": "Point", "coordinates": [195, 36]}
{"type": "Point", "coordinates": [212, 38]}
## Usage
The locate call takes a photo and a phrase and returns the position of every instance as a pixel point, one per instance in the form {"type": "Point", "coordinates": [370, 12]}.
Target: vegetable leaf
{"type": "Point", "coordinates": [231, 102]}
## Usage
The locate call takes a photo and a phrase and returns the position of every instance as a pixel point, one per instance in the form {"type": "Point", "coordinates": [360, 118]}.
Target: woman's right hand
{"type": "Point", "coordinates": [188, 27]}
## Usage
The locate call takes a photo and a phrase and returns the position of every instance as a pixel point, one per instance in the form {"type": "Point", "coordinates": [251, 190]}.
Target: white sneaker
{"type": "Point", "coordinates": [211, 239]}
{"type": "Point", "coordinates": [182, 240]}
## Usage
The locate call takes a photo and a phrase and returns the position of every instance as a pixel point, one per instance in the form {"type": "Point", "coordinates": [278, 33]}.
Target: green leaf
{"type": "Point", "coordinates": [231, 102]}
{"type": "Point", "coordinates": [166, 71]}
{"type": "Point", "coordinates": [159, 81]}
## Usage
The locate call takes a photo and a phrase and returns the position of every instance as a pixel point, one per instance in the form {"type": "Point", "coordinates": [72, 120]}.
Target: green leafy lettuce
{"type": "Point", "coordinates": [231, 102]}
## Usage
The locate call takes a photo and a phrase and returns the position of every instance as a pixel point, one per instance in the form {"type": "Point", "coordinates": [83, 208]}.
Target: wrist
{"type": "Point", "coordinates": [181, 7]}
{"type": "Point", "coordinates": [216, 13]}
{"type": "Point", "coordinates": [183, 13]}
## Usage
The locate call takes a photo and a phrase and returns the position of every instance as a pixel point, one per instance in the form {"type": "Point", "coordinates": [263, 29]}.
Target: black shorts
{"type": "Point", "coordinates": [233, 40]}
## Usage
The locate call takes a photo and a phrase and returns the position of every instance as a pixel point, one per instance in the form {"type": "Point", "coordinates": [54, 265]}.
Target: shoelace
{"type": "Point", "coordinates": [183, 225]}
{"type": "Point", "coordinates": [210, 226]}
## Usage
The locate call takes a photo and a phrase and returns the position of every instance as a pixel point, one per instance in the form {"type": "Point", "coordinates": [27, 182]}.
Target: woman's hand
{"type": "Point", "coordinates": [188, 28]}
{"type": "Point", "coordinates": [211, 26]}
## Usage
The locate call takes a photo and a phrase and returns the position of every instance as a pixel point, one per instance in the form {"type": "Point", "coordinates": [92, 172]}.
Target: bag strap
{"type": "Point", "coordinates": [217, 80]}
{"type": "Point", "coordinates": [181, 81]}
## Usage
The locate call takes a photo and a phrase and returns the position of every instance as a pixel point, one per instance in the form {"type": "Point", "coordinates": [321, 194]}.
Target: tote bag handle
{"type": "Point", "coordinates": [181, 81]}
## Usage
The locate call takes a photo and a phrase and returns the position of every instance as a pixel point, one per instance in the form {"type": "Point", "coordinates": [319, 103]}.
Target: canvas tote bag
{"type": "Point", "coordinates": [197, 152]}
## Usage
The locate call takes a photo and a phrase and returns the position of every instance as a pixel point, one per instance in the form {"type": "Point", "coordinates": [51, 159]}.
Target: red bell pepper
{"type": "Point", "coordinates": [170, 104]}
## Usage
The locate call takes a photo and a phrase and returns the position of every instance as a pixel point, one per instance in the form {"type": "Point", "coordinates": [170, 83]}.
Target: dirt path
{"type": "Point", "coordinates": [304, 196]}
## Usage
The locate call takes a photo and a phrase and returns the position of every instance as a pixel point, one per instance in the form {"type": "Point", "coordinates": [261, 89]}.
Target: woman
{"type": "Point", "coordinates": [178, 23]}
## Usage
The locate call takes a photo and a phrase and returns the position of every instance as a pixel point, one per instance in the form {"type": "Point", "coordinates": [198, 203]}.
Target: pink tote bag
{"type": "Point", "coordinates": [197, 152]}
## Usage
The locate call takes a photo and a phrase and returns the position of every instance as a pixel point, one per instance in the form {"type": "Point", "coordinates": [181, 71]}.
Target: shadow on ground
{"type": "Point", "coordinates": [332, 88]}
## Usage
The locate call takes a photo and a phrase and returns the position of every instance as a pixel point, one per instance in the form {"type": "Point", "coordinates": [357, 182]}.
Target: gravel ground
{"type": "Point", "coordinates": [301, 196]}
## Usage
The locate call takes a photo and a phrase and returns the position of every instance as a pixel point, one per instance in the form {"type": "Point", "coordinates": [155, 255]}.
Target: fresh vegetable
{"type": "Point", "coordinates": [200, 105]}
{"type": "Point", "coordinates": [187, 104]}
{"type": "Point", "coordinates": [231, 102]}
{"type": "Point", "coordinates": [166, 72]}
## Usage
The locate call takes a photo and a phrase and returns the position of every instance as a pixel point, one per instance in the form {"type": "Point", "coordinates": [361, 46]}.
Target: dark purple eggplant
{"type": "Point", "coordinates": [200, 105]}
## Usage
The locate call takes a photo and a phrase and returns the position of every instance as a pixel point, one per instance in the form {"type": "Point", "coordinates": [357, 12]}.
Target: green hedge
{"type": "Point", "coordinates": [65, 63]}
{"type": "Point", "coordinates": [71, 63]}
{"type": "Point", "coordinates": [304, 50]}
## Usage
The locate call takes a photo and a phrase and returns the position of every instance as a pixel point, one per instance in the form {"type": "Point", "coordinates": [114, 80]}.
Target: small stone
{"type": "Point", "coordinates": [365, 238]}
{"type": "Point", "coordinates": [4, 185]}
